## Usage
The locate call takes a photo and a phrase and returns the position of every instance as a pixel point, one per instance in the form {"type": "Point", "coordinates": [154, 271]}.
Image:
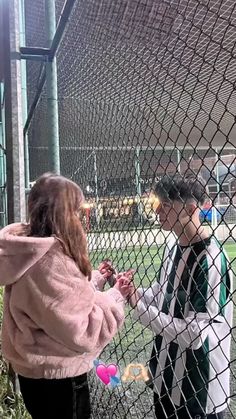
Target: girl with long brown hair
{"type": "Point", "coordinates": [56, 321]}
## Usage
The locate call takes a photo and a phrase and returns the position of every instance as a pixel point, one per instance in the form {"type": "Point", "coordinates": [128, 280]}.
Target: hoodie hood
{"type": "Point", "coordinates": [18, 253]}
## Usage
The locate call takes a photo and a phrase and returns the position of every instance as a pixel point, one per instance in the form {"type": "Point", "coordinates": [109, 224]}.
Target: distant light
{"type": "Point", "coordinates": [89, 189]}
{"type": "Point", "coordinates": [86, 205]}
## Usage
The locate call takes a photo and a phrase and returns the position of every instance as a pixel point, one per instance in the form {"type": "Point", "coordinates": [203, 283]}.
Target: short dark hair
{"type": "Point", "coordinates": [181, 188]}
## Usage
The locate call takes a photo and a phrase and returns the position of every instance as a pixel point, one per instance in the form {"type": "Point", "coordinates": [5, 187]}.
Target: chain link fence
{"type": "Point", "coordinates": [145, 89]}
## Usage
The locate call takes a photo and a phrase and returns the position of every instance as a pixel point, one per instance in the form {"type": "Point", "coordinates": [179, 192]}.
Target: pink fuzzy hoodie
{"type": "Point", "coordinates": [55, 321]}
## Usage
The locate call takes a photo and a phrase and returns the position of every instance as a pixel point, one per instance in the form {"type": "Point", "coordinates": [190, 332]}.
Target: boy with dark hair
{"type": "Point", "coordinates": [188, 308]}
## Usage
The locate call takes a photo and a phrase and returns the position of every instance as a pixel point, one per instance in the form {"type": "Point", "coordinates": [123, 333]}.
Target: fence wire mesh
{"type": "Point", "coordinates": [146, 89]}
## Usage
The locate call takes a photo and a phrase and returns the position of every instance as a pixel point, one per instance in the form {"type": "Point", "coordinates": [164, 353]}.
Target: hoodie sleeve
{"type": "Point", "coordinates": [98, 280]}
{"type": "Point", "coordinates": [74, 314]}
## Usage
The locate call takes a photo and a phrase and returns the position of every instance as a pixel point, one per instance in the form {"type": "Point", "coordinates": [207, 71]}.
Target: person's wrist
{"type": "Point", "coordinates": [131, 301]}
{"type": "Point", "coordinates": [116, 294]}
{"type": "Point", "coordinates": [111, 280]}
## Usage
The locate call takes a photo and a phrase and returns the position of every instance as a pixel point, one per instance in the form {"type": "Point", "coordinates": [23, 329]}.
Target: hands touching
{"type": "Point", "coordinates": [125, 284]}
{"type": "Point", "coordinates": [122, 281]}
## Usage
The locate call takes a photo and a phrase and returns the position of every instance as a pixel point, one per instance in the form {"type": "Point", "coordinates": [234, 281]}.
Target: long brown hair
{"type": "Point", "coordinates": [54, 204]}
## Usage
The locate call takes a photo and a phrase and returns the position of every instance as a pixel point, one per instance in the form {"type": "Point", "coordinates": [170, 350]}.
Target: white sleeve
{"type": "Point", "coordinates": [149, 295]}
{"type": "Point", "coordinates": [189, 332]}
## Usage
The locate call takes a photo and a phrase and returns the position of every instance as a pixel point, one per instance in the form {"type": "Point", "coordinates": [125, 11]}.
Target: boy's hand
{"type": "Point", "coordinates": [129, 274]}
{"type": "Point", "coordinates": [128, 287]}
{"type": "Point", "coordinates": [124, 283]}
{"type": "Point", "coordinates": [133, 298]}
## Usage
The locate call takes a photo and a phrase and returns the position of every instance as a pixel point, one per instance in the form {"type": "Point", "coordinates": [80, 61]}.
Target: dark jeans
{"type": "Point", "coordinates": [66, 398]}
{"type": "Point", "coordinates": [164, 409]}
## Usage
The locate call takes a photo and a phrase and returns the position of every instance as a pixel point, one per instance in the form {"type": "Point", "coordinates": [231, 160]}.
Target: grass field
{"type": "Point", "coordinates": [133, 344]}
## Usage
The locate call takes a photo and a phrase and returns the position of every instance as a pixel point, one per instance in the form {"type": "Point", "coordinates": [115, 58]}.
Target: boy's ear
{"type": "Point", "coordinates": [191, 208]}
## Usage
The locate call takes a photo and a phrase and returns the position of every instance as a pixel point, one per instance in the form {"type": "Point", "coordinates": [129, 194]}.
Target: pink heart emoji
{"type": "Point", "coordinates": [105, 372]}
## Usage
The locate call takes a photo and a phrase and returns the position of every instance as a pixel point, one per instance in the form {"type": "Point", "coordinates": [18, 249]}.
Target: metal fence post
{"type": "Point", "coordinates": [138, 182]}
{"type": "Point", "coordinates": [215, 208]}
{"type": "Point", "coordinates": [2, 158]}
{"type": "Point", "coordinates": [52, 98]}
{"type": "Point", "coordinates": [178, 161]}
{"type": "Point", "coordinates": [13, 116]}
{"type": "Point", "coordinates": [96, 189]}
{"type": "Point", "coordinates": [24, 90]}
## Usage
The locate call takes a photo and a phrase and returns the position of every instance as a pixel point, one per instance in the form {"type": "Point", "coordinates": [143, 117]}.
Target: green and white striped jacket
{"type": "Point", "coordinates": [190, 310]}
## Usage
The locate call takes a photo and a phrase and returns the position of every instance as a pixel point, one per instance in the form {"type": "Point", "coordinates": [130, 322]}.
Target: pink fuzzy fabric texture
{"type": "Point", "coordinates": [55, 321]}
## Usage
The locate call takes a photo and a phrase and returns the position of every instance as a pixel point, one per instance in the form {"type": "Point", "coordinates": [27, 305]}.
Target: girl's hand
{"type": "Point", "coordinates": [107, 271]}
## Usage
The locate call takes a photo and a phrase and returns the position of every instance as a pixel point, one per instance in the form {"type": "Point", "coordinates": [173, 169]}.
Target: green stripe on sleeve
{"type": "Point", "coordinates": [224, 285]}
